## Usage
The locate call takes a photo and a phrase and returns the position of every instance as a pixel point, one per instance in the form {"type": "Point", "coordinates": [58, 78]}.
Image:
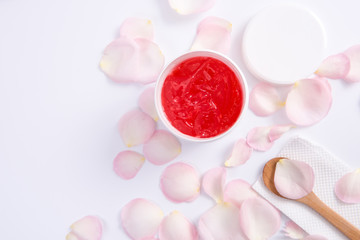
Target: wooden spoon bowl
{"type": "Point", "coordinates": [313, 202]}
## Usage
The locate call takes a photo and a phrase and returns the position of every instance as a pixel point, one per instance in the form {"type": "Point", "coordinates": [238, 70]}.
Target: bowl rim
{"type": "Point", "coordinates": [167, 69]}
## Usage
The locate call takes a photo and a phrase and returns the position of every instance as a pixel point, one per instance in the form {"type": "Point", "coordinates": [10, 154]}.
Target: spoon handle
{"type": "Point", "coordinates": [335, 219]}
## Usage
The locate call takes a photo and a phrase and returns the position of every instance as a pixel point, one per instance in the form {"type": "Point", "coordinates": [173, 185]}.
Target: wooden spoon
{"type": "Point", "coordinates": [312, 201]}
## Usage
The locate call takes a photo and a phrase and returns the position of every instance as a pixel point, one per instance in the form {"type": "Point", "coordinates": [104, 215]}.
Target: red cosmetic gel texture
{"type": "Point", "coordinates": [202, 97]}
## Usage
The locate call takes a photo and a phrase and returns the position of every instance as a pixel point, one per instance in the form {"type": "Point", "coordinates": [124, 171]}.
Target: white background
{"type": "Point", "coordinates": [58, 112]}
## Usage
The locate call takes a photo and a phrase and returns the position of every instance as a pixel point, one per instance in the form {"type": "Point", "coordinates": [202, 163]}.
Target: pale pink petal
{"type": "Point", "coordinates": [180, 182]}
{"type": "Point", "coordinates": [213, 33]}
{"type": "Point", "coordinates": [353, 54]}
{"type": "Point", "coordinates": [185, 7]}
{"type": "Point", "coordinates": [132, 60]}
{"type": "Point", "coordinates": [240, 154]}
{"type": "Point", "coordinates": [265, 99]}
{"type": "Point", "coordinates": [259, 219]}
{"type": "Point", "coordinates": [141, 219]}
{"type": "Point", "coordinates": [293, 179]}
{"type": "Point", "coordinates": [237, 191]}
{"type": "Point", "coordinates": [347, 188]}
{"type": "Point", "coordinates": [258, 138]}
{"type": "Point", "coordinates": [293, 231]}
{"type": "Point", "coordinates": [215, 21]}
{"type": "Point", "coordinates": [71, 236]}
{"type": "Point", "coordinates": [136, 127]}
{"type": "Point", "coordinates": [314, 237]}
{"type": "Point", "coordinates": [308, 102]}
{"type": "Point", "coordinates": [277, 131]}
{"type": "Point", "coordinates": [137, 28]}
{"type": "Point", "coordinates": [213, 183]}
{"type": "Point", "coordinates": [324, 79]}
{"type": "Point", "coordinates": [147, 103]}
{"type": "Point", "coordinates": [128, 163]}
{"type": "Point", "coordinates": [150, 61]}
{"type": "Point", "coordinates": [120, 59]}
{"type": "Point", "coordinates": [162, 147]}
{"type": "Point", "coordinates": [89, 228]}
{"type": "Point", "coordinates": [220, 222]}
{"type": "Point", "coordinates": [177, 227]}
{"type": "Point", "coordinates": [334, 67]}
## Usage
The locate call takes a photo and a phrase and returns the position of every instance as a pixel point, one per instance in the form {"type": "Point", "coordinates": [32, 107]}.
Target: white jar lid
{"type": "Point", "coordinates": [283, 44]}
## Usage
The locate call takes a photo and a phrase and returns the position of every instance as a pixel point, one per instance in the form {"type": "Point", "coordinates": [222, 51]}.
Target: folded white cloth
{"type": "Point", "coordinates": [328, 169]}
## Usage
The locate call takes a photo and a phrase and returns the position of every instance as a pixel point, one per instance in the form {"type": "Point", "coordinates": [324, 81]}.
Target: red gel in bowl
{"type": "Point", "coordinates": [201, 95]}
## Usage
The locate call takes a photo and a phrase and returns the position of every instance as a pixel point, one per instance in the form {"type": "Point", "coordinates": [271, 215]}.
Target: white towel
{"type": "Point", "coordinates": [328, 169]}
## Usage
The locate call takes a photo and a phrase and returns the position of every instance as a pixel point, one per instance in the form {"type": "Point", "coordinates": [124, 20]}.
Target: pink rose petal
{"type": "Point", "coordinates": [89, 228]}
{"type": "Point", "coordinates": [293, 231]}
{"type": "Point", "coordinates": [347, 188]}
{"type": "Point", "coordinates": [258, 138]}
{"type": "Point", "coordinates": [162, 148]}
{"type": "Point", "coordinates": [265, 99]}
{"type": "Point", "coordinates": [128, 163]}
{"type": "Point", "coordinates": [150, 61]}
{"type": "Point", "coordinates": [185, 7]}
{"type": "Point", "coordinates": [314, 237]}
{"type": "Point", "coordinates": [213, 183]}
{"type": "Point", "coordinates": [71, 236]}
{"type": "Point", "coordinates": [259, 219]}
{"type": "Point", "coordinates": [136, 127]}
{"type": "Point", "coordinates": [220, 222]}
{"type": "Point", "coordinates": [293, 179]}
{"type": "Point", "coordinates": [237, 191]}
{"type": "Point", "coordinates": [215, 21]}
{"type": "Point", "coordinates": [353, 54]}
{"type": "Point", "coordinates": [147, 103]}
{"type": "Point", "coordinates": [180, 182]}
{"type": "Point", "coordinates": [334, 67]}
{"type": "Point", "coordinates": [119, 60]}
{"type": "Point", "coordinates": [177, 227]}
{"type": "Point", "coordinates": [213, 33]}
{"type": "Point", "coordinates": [137, 28]}
{"type": "Point", "coordinates": [277, 131]}
{"type": "Point", "coordinates": [308, 102]}
{"type": "Point", "coordinates": [240, 154]}
{"type": "Point", "coordinates": [324, 79]}
{"type": "Point", "coordinates": [141, 219]}
{"type": "Point", "coordinates": [132, 60]}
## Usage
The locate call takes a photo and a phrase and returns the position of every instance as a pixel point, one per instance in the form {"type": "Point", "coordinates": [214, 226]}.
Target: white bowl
{"type": "Point", "coordinates": [168, 69]}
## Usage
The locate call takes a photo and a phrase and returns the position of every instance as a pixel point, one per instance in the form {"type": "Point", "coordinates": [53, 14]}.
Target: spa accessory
{"type": "Point", "coordinates": [312, 201]}
{"type": "Point", "coordinates": [201, 95]}
{"type": "Point", "coordinates": [283, 44]}
{"type": "Point", "coordinates": [327, 170]}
